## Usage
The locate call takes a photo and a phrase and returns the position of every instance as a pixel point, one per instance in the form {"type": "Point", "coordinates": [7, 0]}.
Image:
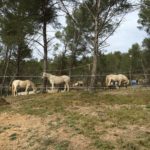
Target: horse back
{"type": "Point", "coordinates": [15, 82]}
{"type": "Point", "coordinates": [66, 78]}
{"type": "Point", "coordinates": [22, 83]}
{"type": "Point", "coordinates": [59, 79]}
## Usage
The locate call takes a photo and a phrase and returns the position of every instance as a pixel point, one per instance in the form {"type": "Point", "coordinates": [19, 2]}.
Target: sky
{"type": "Point", "coordinates": [123, 39]}
{"type": "Point", "coordinates": [126, 35]}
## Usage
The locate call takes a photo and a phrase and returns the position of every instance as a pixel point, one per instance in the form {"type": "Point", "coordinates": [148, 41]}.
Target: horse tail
{"type": "Point", "coordinates": [106, 81]}
{"type": "Point", "coordinates": [11, 84]}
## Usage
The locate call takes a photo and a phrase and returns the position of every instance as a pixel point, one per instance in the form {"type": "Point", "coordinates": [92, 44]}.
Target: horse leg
{"type": "Point", "coordinates": [119, 83]}
{"type": "Point", "coordinates": [109, 82]}
{"type": "Point", "coordinates": [64, 87]}
{"type": "Point", "coordinates": [15, 91]}
{"type": "Point", "coordinates": [12, 90]}
{"type": "Point", "coordinates": [67, 87]}
{"type": "Point", "coordinates": [52, 88]}
{"type": "Point", "coordinates": [27, 90]}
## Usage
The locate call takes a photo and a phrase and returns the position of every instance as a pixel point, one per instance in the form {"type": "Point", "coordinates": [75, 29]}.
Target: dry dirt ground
{"type": "Point", "coordinates": [86, 122]}
{"type": "Point", "coordinates": [30, 132]}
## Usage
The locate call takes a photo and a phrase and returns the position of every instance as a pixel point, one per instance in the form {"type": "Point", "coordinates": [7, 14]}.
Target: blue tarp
{"type": "Point", "coordinates": [133, 82]}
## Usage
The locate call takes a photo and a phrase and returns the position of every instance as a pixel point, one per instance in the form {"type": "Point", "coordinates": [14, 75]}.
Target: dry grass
{"type": "Point", "coordinates": [77, 121]}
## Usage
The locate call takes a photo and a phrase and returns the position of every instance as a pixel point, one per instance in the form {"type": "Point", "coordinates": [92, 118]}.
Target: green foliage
{"type": "Point", "coordinates": [146, 53]}
{"type": "Point", "coordinates": [21, 19]}
{"type": "Point", "coordinates": [136, 57]}
{"type": "Point", "coordinates": [15, 22]}
{"type": "Point", "coordinates": [145, 15]}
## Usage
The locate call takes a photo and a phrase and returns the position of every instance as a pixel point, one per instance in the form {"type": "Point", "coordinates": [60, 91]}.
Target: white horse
{"type": "Point", "coordinates": [78, 83]}
{"type": "Point", "coordinates": [56, 80]}
{"type": "Point", "coordinates": [120, 79]}
{"type": "Point", "coordinates": [22, 84]}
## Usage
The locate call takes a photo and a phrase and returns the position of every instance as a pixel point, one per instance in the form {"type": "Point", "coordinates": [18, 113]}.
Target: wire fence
{"type": "Point", "coordinates": [78, 82]}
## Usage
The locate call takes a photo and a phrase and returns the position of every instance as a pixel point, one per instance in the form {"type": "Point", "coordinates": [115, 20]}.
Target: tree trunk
{"type": "Point", "coordinates": [95, 50]}
{"type": "Point", "coordinates": [18, 62]}
{"type": "Point", "coordinates": [45, 53]}
{"type": "Point", "coordinates": [7, 60]}
{"type": "Point", "coordinates": [93, 73]}
{"type": "Point", "coordinates": [72, 62]}
{"type": "Point", "coordinates": [62, 64]}
{"type": "Point", "coordinates": [144, 70]}
{"type": "Point", "coordinates": [74, 51]}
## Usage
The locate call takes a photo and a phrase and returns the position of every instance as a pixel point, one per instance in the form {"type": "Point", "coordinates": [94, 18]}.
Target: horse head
{"type": "Point", "coordinates": [44, 75]}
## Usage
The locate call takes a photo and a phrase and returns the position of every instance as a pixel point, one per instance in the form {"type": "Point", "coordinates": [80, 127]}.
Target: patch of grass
{"type": "Point", "coordinates": [57, 145]}
{"type": "Point", "coordinates": [44, 104]}
{"type": "Point", "coordinates": [41, 107]}
{"type": "Point", "coordinates": [63, 145]}
{"type": "Point", "coordinates": [126, 145]}
{"type": "Point", "coordinates": [132, 98]}
{"type": "Point", "coordinates": [144, 140]}
{"type": "Point", "coordinates": [13, 136]}
{"type": "Point", "coordinates": [148, 106]}
{"type": "Point", "coordinates": [3, 129]}
{"type": "Point", "coordinates": [129, 116]}
{"type": "Point", "coordinates": [6, 108]}
{"type": "Point", "coordinates": [110, 110]}
{"type": "Point", "coordinates": [55, 124]}
{"type": "Point", "coordinates": [103, 145]}
{"type": "Point", "coordinates": [46, 141]}
{"type": "Point", "coordinates": [82, 124]}
{"type": "Point", "coordinates": [85, 125]}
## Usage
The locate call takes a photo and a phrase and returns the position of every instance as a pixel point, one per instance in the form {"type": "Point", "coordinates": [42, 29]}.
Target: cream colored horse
{"type": "Point", "coordinates": [56, 80]}
{"type": "Point", "coordinates": [22, 84]}
{"type": "Point", "coordinates": [78, 83]}
{"type": "Point", "coordinates": [120, 79]}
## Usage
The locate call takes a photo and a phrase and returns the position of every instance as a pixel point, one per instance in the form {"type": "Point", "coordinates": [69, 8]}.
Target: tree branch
{"type": "Point", "coordinates": [118, 24]}
{"type": "Point", "coordinates": [89, 10]}
{"type": "Point", "coordinates": [67, 12]}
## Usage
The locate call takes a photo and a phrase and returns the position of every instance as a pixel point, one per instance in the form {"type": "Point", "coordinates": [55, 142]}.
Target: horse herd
{"type": "Point", "coordinates": [111, 80]}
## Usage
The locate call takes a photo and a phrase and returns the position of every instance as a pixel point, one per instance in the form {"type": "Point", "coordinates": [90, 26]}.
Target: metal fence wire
{"type": "Point", "coordinates": [78, 82]}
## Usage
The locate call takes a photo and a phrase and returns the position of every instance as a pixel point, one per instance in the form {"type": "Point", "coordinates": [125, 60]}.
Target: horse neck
{"type": "Point", "coordinates": [47, 75]}
{"type": "Point", "coordinates": [50, 75]}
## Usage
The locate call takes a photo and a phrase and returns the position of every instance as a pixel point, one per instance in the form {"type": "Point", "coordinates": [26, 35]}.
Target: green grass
{"type": "Point", "coordinates": [128, 145]}
{"type": "Point", "coordinates": [103, 145]}
{"type": "Point", "coordinates": [63, 145]}
{"type": "Point", "coordinates": [112, 110]}
{"type": "Point", "coordinates": [129, 116]}
{"type": "Point", "coordinates": [4, 128]}
{"type": "Point", "coordinates": [13, 137]}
